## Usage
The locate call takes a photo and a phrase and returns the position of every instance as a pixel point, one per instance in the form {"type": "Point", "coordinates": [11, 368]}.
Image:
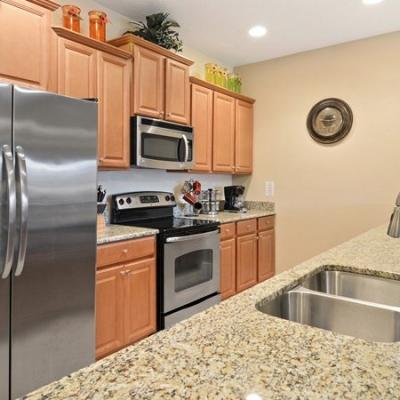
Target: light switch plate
{"type": "Point", "coordinates": [269, 188]}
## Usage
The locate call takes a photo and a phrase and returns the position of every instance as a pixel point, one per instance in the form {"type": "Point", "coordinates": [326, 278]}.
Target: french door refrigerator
{"type": "Point", "coordinates": [47, 237]}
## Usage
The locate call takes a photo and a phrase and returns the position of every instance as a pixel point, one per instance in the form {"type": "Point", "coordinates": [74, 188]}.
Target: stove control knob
{"type": "Point", "coordinates": [129, 200]}
{"type": "Point", "coordinates": [172, 198]}
{"type": "Point", "coordinates": [121, 202]}
{"type": "Point", "coordinates": [167, 198]}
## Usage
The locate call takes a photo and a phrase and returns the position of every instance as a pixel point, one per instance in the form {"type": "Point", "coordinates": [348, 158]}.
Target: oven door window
{"type": "Point", "coordinates": [193, 269]}
{"type": "Point", "coordinates": [161, 147]}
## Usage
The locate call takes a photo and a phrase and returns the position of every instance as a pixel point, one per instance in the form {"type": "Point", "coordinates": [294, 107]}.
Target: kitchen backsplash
{"type": "Point", "coordinates": [134, 180]}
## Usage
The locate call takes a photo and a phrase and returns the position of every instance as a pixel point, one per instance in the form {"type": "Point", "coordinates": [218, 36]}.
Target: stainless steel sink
{"type": "Point", "coordinates": [351, 317]}
{"type": "Point", "coordinates": [356, 286]}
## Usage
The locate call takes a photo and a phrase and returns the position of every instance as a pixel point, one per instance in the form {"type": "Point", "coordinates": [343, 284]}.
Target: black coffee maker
{"type": "Point", "coordinates": [234, 200]}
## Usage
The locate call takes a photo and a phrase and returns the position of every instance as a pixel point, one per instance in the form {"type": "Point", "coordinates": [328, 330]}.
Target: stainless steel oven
{"type": "Point", "coordinates": [191, 274]}
{"type": "Point", "coordinates": [160, 144]}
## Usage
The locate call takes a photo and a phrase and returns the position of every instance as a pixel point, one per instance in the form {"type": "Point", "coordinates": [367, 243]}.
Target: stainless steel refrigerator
{"type": "Point", "coordinates": [47, 237]}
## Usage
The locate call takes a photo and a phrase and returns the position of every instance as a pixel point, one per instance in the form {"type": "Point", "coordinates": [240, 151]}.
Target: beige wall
{"type": "Point", "coordinates": [326, 194]}
{"type": "Point", "coordinates": [120, 24]}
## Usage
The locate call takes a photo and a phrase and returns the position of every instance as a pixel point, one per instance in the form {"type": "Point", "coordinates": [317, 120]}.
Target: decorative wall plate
{"type": "Point", "coordinates": [330, 120]}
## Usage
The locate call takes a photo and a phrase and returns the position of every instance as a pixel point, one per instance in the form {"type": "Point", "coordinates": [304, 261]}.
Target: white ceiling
{"type": "Point", "coordinates": [219, 27]}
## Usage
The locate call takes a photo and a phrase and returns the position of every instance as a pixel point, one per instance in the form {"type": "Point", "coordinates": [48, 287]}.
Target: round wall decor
{"type": "Point", "coordinates": [330, 120]}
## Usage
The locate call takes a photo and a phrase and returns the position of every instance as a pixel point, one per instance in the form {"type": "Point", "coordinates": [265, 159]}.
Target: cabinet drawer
{"type": "Point", "coordinates": [246, 227]}
{"type": "Point", "coordinates": [266, 223]}
{"type": "Point", "coordinates": [121, 252]}
{"type": "Point", "coordinates": [228, 231]}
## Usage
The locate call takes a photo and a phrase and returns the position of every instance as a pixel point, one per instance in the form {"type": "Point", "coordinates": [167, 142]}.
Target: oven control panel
{"type": "Point", "coordinates": [126, 201]}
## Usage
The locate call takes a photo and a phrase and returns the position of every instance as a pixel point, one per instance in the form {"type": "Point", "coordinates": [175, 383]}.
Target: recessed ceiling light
{"type": "Point", "coordinates": [257, 31]}
{"type": "Point", "coordinates": [372, 2]}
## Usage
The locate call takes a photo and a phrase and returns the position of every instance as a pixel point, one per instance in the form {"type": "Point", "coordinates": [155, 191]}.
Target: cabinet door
{"type": "Point", "coordinates": [109, 310]}
{"type": "Point", "coordinates": [243, 137]}
{"type": "Point", "coordinates": [177, 92]}
{"type": "Point", "coordinates": [202, 114]}
{"type": "Point", "coordinates": [228, 268]}
{"type": "Point", "coordinates": [224, 133]}
{"type": "Point", "coordinates": [140, 300]}
{"type": "Point", "coordinates": [76, 69]}
{"type": "Point", "coordinates": [149, 71]}
{"type": "Point", "coordinates": [24, 43]}
{"type": "Point", "coordinates": [114, 117]}
{"type": "Point", "coordinates": [266, 255]}
{"type": "Point", "coordinates": [246, 261]}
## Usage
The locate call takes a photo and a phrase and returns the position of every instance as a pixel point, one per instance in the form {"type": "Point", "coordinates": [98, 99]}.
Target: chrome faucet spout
{"type": "Point", "coordinates": [394, 224]}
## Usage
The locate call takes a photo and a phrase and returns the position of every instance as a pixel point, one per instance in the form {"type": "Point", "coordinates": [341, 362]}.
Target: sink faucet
{"type": "Point", "coordinates": [394, 225]}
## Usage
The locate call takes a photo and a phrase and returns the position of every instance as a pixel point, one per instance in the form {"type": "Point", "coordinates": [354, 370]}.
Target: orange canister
{"type": "Point", "coordinates": [97, 25]}
{"type": "Point", "coordinates": [72, 18]}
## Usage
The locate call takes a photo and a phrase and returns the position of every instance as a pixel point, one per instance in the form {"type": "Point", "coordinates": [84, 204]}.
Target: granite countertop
{"type": "Point", "coordinates": [116, 233]}
{"type": "Point", "coordinates": [232, 350]}
{"type": "Point", "coordinates": [226, 217]}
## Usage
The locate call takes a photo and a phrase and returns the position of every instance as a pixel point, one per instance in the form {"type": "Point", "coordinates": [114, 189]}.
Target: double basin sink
{"type": "Point", "coordinates": [362, 306]}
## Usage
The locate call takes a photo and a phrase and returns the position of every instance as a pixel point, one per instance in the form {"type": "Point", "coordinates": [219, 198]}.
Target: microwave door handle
{"type": "Point", "coordinates": [24, 204]}
{"type": "Point", "coordinates": [12, 212]}
{"type": "Point", "coordinates": [191, 237]}
{"type": "Point", "coordinates": [186, 141]}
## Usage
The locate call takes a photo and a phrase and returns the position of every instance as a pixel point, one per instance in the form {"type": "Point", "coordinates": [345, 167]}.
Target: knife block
{"type": "Point", "coordinates": [101, 224]}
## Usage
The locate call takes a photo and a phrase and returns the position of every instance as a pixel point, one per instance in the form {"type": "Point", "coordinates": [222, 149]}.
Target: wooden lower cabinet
{"type": "Point", "coordinates": [266, 255]}
{"type": "Point", "coordinates": [140, 300]}
{"type": "Point", "coordinates": [247, 254]}
{"type": "Point", "coordinates": [109, 308]}
{"type": "Point", "coordinates": [125, 295]}
{"type": "Point", "coordinates": [246, 262]}
{"type": "Point", "coordinates": [228, 268]}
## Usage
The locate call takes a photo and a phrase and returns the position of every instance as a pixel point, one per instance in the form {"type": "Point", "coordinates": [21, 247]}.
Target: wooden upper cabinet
{"type": "Point", "coordinates": [114, 116]}
{"type": "Point", "coordinates": [243, 137]}
{"type": "Point", "coordinates": [25, 42]}
{"type": "Point", "coordinates": [224, 133]}
{"type": "Point", "coordinates": [246, 262]}
{"type": "Point", "coordinates": [228, 268]}
{"type": "Point", "coordinates": [177, 92]}
{"type": "Point", "coordinates": [77, 68]}
{"type": "Point", "coordinates": [140, 300]}
{"type": "Point", "coordinates": [202, 121]}
{"type": "Point", "coordinates": [148, 89]}
{"type": "Point", "coordinates": [109, 310]}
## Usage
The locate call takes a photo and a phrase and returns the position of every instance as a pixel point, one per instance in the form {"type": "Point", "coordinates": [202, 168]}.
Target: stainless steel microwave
{"type": "Point", "coordinates": [160, 144]}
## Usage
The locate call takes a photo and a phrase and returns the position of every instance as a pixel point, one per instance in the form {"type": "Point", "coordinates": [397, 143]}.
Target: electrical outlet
{"type": "Point", "coordinates": [269, 188]}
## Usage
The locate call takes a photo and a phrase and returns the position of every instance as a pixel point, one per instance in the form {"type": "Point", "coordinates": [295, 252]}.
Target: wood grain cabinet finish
{"type": "Point", "coordinates": [77, 69]}
{"type": "Point", "coordinates": [202, 122]}
{"type": "Point", "coordinates": [246, 262]}
{"type": "Point", "coordinates": [140, 300]}
{"type": "Point", "coordinates": [266, 254]}
{"type": "Point", "coordinates": [243, 137]}
{"type": "Point", "coordinates": [25, 42]}
{"type": "Point", "coordinates": [149, 77]}
{"type": "Point", "coordinates": [228, 268]}
{"type": "Point", "coordinates": [113, 94]}
{"type": "Point", "coordinates": [177, 92]}
{"type": "Point", "coordinates": [224, 133]}
{"type": "Point", "coordinates": [109, 310]}
{"type": "Point", "coordinates": [125, 294]}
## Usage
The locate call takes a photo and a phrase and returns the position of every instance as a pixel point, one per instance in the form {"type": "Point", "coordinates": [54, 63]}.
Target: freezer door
{"type": "Point", "coordinates": [53, 331]}
{"type": "Point", "coordinates": [5, 139]}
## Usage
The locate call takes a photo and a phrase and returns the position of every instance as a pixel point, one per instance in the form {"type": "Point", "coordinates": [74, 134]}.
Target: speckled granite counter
{"type": "Point", "coordinates": [226, 217]}
{"type": "Point", "coordinates": [116, 233]}
{"type": "Point", "coordinates": [232, 350]}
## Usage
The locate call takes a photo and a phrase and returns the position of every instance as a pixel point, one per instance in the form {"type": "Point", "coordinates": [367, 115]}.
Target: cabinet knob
{"type": "Point", "coordinates": [125, 251]}
{"type": "Point", "coordinates": [168, 114]}
{"type": "Point", "coordinates": [123, 273]}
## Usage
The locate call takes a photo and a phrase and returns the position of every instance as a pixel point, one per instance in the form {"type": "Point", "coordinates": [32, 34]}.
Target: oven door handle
{"type": "Point", "coordinates": [176, 239]}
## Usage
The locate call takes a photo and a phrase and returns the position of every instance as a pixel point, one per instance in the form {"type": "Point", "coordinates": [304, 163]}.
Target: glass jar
{"type": "Point", "coordinates": [97, 25]}
{"type": "Point", "coordinates": [72, 18]}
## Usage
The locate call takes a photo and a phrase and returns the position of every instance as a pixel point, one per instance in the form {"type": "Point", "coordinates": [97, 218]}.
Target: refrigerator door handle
{"type": "Point", "coordinates": [24, 204]}
{"type": "Point", "coordinates": [12, 212]}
